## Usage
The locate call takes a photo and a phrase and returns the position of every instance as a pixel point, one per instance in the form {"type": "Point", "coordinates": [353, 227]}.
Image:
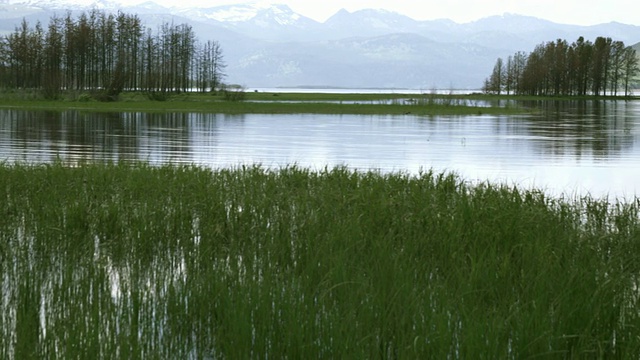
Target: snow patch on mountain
{"type": "Point", "coordinates": [233, 13]}
{"type": "Point", "coordinates": [65, 4]}
{"type": "Point", "coordinates": [281, 14]}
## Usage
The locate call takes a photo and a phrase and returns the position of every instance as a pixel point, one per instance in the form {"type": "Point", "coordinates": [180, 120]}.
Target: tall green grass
{"type": "Point", "coordinates": [140, 262]}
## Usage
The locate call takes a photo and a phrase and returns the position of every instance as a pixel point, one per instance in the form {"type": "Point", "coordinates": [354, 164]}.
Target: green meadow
{"type": "Point", "coordinates": [143, 262]}
{"type": "Point", "coordinates": [273, 103]}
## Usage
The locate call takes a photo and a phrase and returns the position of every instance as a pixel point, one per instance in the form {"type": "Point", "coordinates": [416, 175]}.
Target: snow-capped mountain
{"type": "Point", "coordinates": [65, 4]}
{"type": "Point", "coordinates": [281, 14]}
{"type": "Point", "coordinates": [260, 20]}
{"type": "Point", "coordinates": [267, 45]}
{"type": "Point", "coordinates": [379, 21]}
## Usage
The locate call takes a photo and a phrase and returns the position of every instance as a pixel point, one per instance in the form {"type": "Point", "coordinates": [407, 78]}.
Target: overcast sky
{"type": "Point", "coordinates": [580, 12]}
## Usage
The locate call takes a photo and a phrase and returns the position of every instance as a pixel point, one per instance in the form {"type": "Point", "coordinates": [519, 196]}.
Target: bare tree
{"type": "Point", "coordinates": [106, 54]}
{"type": "Point", "coordinates": [211, 67]}
{"type": "Point", "coordinates": [53, 56]}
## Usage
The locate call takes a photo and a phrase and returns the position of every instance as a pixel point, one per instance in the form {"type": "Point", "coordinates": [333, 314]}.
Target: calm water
{"type": "Point", "coordinates": [574, 148]}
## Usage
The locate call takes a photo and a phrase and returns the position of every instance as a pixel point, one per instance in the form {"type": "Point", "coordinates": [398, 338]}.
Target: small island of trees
{"type": "Point", "coordinates": [104, 54]}
{"type": "Point", "coordinates": [601, 68]}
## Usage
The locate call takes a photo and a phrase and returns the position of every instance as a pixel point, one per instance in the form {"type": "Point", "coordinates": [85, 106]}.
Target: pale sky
{"type": "Point", "coordinates": [579, 12]}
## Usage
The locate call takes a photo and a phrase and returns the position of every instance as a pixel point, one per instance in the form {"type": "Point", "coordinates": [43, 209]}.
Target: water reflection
{"type": "Point", "coordinates": [583, 129]}
{"type": "Point", "coordinates": [566, 146]}
{"type": "Point", "coordinates": [43, 136]}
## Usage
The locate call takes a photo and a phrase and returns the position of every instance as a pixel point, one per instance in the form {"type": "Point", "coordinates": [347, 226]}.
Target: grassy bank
{"type": "Point", "coordinates": [116, 261]}
{"type": "Point", "coordinates": [273, 103]}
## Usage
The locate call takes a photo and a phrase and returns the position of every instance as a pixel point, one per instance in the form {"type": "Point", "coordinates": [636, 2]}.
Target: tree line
{"type": "Point", "coordinates": [557, 68]}
{"type": "Point", "coordinates": [106, 54]}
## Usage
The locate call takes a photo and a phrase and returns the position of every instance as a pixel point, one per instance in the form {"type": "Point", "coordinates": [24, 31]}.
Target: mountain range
{"type": "Point", "coordinates": [270, 45]}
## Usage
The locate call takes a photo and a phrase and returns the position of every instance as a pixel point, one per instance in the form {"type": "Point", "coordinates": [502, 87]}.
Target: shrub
{"type": "Point", "coordinates": [234, 94]}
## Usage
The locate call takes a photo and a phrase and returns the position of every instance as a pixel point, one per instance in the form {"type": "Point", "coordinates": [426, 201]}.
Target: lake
{"type": "Point", "coordinates": [567, 147]}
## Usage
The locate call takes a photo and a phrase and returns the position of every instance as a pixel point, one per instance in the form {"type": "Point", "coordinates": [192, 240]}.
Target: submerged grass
{"type": "Point", "coordinates": [111, 260]}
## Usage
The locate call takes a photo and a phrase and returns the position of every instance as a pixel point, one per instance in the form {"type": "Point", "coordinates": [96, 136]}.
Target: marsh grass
{"type": "Point", "coordinates": [273, 103]}
{"type": "Point", "coordinates": [120, 261]}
